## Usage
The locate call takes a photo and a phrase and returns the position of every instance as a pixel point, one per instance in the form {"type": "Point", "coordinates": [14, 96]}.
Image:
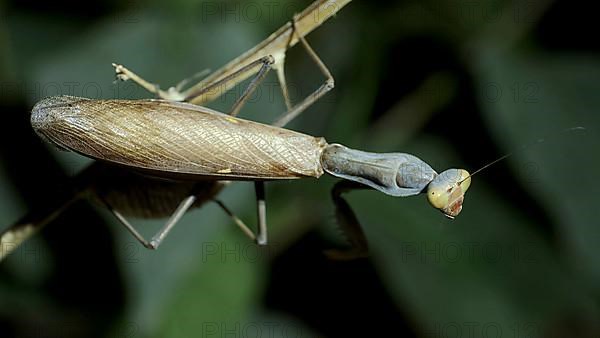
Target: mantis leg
{"type": "Point", "coordinates": [164, 231]}
{"type": "Point", "coordinates": [237, 220]}
{"type": "Point", "coordinates": [294, 111]}
{"type": "Point", "coordinates": [261, 238]}
{"type": "Point", "coordinates": [261, 204]}
{"type": "Point", "coordinates": [174, 94]}
{"type": "Point", "coordinates": [266, 63]}
{"type": "Point", "coordinates": [348, 223]}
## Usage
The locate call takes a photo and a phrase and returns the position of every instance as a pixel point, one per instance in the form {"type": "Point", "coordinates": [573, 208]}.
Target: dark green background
{"type": "Point", "coordinates": [457, 83]}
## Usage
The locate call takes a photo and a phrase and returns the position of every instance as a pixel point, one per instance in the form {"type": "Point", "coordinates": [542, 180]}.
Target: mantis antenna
{"type": "Point", "coordinates": [522, 147]}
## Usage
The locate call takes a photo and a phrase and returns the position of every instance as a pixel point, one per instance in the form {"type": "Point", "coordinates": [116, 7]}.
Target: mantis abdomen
{"type": "Point", "coordinates": [177, 140]}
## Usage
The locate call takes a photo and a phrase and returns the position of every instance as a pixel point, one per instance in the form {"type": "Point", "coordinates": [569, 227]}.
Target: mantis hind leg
{"type": "Point", "coordinates": [348, 223]}
{"type": "Point", "coordinates": [157, 239]}
{"type": "Point", "coordinates": [261, 237]}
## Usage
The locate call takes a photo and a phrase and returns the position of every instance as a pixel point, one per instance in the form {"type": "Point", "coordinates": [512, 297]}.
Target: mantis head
{"type": "Point", "coordinates": [446, 191]}
{"type": "Point", "coordinates": [399, 174]}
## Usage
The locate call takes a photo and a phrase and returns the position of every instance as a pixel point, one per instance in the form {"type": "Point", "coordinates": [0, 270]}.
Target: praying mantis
{"type": "Point", "coordinates": [170, 154]}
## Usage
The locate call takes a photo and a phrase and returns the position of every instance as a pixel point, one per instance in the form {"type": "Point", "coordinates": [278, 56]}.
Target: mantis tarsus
{"type": "Point", "coordinates": [195, 149]}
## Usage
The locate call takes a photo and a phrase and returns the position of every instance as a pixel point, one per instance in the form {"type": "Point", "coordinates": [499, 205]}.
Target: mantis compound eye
{"type": "Point", "coordinates": [447, 191]}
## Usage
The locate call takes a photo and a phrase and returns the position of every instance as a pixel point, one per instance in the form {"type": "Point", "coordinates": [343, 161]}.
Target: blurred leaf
{"type": "Point", "coordinates": [539, 96]}
{"type": "Point", "coordinates": [217, 296]}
